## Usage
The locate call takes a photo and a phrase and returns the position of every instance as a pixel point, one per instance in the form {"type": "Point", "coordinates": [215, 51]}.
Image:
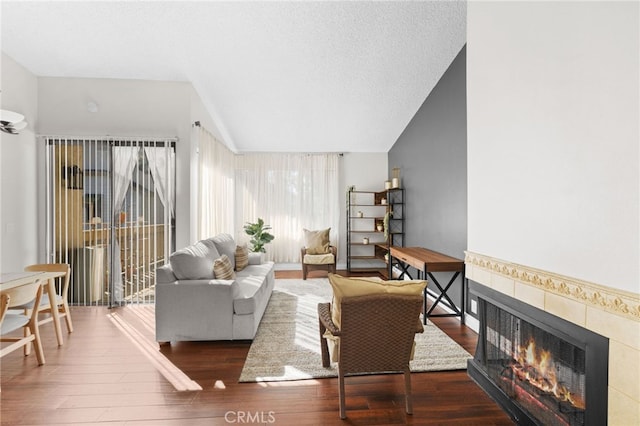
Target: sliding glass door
{"type": "Point", "coordinates": [110, 215]}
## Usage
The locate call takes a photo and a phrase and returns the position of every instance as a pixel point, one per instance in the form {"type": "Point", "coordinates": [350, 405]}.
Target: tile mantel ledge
{"type": "Point", "coordinates": [619, 302]}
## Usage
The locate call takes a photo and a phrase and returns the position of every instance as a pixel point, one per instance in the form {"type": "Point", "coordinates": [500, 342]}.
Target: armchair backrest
{"type": "Point", "coordinates": [377, 332]}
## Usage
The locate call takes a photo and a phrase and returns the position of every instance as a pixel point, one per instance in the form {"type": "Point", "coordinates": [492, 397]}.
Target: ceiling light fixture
{"type": "Point", "coordinates": [92, 106]}
{"type": "Point", "coordinates": [11, 122]}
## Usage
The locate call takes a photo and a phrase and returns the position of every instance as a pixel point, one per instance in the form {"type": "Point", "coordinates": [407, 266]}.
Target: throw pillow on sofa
{"type": "Point", "coordinates": [194, 262]}
{"type": "Point", "coordinates": [226, 245]}
{"type": "Point", "coordinates": [222, 268]}
{"type": "Point", "coordinates": [242, 257]}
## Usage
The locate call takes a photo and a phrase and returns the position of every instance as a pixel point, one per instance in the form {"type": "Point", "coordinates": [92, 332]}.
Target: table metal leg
{"type": "Point", "coordinates": [404, 270]}
{"type": "Point", "coordinates": [424, 306]}
{"type": "Point", "coordinates": [443, 294]}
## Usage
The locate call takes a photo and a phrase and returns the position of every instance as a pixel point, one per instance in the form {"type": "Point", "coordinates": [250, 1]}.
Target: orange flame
{"type": "Point", "coordinates": [538, 368]}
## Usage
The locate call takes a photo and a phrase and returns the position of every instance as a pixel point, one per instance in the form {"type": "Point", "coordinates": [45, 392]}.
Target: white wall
{"type": "Point", "coordinates": [18, 171]}
{"type": "Point", "coordinates": [553, 135]}
{"type": "Point", "coordinates": [367, 171]}
{"type": "Point", "coordinates": [125, 108]}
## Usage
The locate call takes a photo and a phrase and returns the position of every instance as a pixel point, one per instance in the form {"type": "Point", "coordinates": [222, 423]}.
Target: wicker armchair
{"type": "Point", "coordinates": [376, 336]}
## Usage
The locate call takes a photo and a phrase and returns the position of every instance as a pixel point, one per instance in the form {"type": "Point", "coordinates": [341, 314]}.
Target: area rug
{"type": "Point", "coordinates": [287, 346]}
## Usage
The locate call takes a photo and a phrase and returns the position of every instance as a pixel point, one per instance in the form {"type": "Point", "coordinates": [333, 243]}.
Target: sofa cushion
{"type": "Point", "coordinates": [261, 269]}
{"type": "Point", "coordinates": [319, 259]}
{"type": "Point", "coordinates": [242, 257]}
{"type": "Point", "coordinates": [250, 290]}
{"type": "Point", "coordinates": [222, 268]}
{"type": "Point", "coordinates": [252, 287]}
{"type": "Point", "coordinates": [194, 262]}
{"type": "Point", "coordinates": [317, 242]}
{"type": "Point", "coordinates": [226, 245]}
{"type": "Point", "coordinates": [349, 287]}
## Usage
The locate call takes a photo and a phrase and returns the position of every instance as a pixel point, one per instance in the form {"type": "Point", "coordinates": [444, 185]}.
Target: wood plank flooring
{"type": "Point", "coordinates": [101, 377]}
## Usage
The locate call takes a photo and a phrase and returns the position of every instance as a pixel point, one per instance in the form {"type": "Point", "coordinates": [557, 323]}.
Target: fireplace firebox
{"type": "Point", "coordinates": [542, 369]}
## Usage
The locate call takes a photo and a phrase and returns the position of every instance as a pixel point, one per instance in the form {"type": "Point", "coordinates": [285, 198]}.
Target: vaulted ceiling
{"type": "Point", "coordinates": [324, 76]}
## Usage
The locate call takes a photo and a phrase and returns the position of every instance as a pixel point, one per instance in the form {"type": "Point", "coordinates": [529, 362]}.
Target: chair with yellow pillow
{"type": "Point", "coordinates": [369, 328]}
{"type": "Point", "coordinates": [318, 253]}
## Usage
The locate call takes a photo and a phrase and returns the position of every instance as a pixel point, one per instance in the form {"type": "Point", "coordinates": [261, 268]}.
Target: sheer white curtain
{"type": "Point", "coordinates": [125, 159]}
{"type": "Point", "coordinates": [161, 165]}
{"type": "Point", "coordinates": [290, 192]}
{"type": "Point", "coordinates": [215, 186]}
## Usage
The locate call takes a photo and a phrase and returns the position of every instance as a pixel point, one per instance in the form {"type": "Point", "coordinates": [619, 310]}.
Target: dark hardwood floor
{"type": "Point", "coordinates": [101, 377]}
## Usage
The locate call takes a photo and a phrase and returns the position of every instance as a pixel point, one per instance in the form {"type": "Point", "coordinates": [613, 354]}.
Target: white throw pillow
{"type": "Point", "coordinates": [194, 262]}
{"type": "Point", "coordinates": [226, 245]}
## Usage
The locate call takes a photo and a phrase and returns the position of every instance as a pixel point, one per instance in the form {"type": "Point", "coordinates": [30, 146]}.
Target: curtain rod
{"type": "Point", "coordinates": [340, 154]}
{"type": "Point", "coordinates": [107, 137]}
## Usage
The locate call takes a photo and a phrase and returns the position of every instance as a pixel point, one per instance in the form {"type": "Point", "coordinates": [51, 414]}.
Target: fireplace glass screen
{"type": "Point", "coordinates": [542, 373]}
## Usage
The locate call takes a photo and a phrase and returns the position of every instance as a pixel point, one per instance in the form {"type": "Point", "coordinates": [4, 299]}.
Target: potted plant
{"type": "Point", "coordinates": [259, 235]}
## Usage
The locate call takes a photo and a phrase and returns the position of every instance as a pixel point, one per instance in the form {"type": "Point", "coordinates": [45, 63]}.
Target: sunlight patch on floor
{"type": "Point", "coordinates": [173, 374]}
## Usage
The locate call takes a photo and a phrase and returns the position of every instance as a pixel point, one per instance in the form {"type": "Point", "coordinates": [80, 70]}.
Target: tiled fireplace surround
{"type": "Point", "coordinates": [610, 312]}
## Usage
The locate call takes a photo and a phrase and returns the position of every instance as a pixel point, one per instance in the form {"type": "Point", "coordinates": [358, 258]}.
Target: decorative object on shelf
{"type": "Point", "coordinates": [259, 235]}
{"type": "Point", "coordinates": [387, 184]}
{"type": "Point", "coordinates": [365, 240]}
{"type": "Point", "coordinates": [380, 227]}
{"type": "Point", "coordinates": [383, 201]}
{"type": "Point", "coordinates": [395, 180]}
{"type": "Point", "coordinates": [360, 214]}
{"type": "Point", "coordinates": [11, 122]}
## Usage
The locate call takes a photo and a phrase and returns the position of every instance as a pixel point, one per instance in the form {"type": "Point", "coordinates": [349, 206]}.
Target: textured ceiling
{"type": "Point", "coordinates": [275, 76]}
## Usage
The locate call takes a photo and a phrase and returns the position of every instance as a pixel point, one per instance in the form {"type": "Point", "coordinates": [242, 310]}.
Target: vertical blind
{"type": "Point", "coordinates": [110, 214]}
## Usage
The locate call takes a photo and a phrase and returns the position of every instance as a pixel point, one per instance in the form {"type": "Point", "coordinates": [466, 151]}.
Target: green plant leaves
{"type": "Point", "coordinates": [259, 236]}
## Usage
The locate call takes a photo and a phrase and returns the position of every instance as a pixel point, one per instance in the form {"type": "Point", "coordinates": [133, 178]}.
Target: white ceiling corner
{"type": "Point", "coordinates": [326, 76]}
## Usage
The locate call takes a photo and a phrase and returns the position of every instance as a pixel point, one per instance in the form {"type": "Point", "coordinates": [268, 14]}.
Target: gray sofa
{"type": "Point", "coordinates": [191, 304]}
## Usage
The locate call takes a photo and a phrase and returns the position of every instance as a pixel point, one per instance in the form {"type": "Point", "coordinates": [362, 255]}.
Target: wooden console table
{"type": "Point", "coordinates": [427, 261]}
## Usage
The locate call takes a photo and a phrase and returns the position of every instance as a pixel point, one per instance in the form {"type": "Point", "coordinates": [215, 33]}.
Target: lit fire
{"type": "Point", "coordinates": [538, 368]}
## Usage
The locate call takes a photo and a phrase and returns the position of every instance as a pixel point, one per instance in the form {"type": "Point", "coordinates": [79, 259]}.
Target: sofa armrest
{"type": "Point", "coordinates": [164, 274]}
{"type": "Point", "coordinates": [195, 310]}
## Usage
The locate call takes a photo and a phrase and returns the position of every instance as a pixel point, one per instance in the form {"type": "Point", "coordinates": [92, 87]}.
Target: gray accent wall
{"type": "Point", "coordinates": [432, 156]}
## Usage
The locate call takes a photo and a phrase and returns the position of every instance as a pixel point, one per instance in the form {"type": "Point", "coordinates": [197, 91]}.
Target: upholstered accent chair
{"type": "Point", "coordinates": [318, 253]}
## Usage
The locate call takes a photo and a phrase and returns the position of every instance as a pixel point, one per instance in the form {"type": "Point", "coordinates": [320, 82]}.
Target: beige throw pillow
{"type": "Point", "coordinates": [242, 257]}
{"type": "Point", "coordinates": [222, 268]}
{"type": "Point", "coordinates": [317, 242]}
